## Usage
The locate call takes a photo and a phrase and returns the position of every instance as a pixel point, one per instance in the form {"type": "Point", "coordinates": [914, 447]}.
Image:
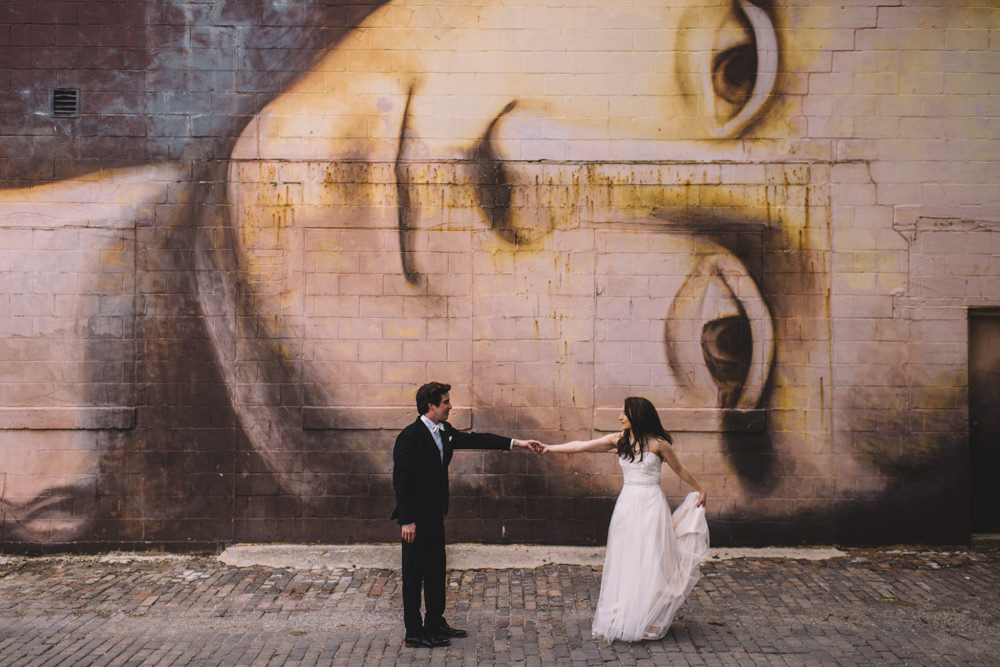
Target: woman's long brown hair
{"type": "Point", "coordinates": [645, 424]}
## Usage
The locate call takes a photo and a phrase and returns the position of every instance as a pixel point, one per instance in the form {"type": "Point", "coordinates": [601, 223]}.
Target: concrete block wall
{"type": "Point", "coordinates": [224, 277]}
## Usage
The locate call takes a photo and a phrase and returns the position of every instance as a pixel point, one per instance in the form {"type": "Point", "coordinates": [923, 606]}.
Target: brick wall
{"type": "Point", "coordinates": [223, 278]}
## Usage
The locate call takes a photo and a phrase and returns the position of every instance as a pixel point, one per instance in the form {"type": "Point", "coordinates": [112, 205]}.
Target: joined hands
{"type": "Point", "coordinates": [533, 445]}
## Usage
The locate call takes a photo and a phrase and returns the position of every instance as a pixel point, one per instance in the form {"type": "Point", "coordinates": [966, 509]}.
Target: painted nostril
{"type": "Point", "coordinates": [516, 206]}
{"type": "Point", "coordinates": [493, 188]}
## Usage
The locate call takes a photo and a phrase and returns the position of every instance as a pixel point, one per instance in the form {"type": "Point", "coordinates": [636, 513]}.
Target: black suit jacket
{"type": "Point", "coordinates": [419, 477]}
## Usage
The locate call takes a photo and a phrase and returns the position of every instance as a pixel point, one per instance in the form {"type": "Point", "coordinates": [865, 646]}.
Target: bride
{"type": "Point", "coordinates": [652, 557]}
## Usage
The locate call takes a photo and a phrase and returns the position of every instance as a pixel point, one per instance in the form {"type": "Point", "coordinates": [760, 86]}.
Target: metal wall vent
{"type": "Point", "coordinates": [65, 102]}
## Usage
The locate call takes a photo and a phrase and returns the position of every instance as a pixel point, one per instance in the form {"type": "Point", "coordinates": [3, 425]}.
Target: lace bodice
{"type": "Point", "coordinates": [646, 471]}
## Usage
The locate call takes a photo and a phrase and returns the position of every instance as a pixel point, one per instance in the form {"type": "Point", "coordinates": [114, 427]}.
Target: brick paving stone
{"type": "Point", "coordinates": [867, 608]}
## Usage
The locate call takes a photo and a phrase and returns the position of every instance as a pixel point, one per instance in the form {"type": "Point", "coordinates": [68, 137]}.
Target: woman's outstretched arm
{"type": "Point", "coordinates": [605, 444]}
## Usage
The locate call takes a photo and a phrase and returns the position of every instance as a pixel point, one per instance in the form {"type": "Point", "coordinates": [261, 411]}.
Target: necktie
{"type": "Point", "coordinates": [439, 439]}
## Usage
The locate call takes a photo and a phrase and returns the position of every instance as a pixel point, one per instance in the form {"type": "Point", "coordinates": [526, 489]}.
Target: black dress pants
{"type": "Point", "coordinates": [423, 567]}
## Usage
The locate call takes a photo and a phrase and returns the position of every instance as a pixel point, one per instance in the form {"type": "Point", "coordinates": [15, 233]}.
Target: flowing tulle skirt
{"type": "Point", "coordinates": [651, 565]}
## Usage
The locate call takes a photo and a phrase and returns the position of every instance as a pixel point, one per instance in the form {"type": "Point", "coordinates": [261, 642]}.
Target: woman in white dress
{"type": "Point", "coordinates": [652, 556]}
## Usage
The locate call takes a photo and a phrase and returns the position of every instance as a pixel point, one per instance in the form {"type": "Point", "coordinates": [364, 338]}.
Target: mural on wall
{"type": "Point", "coordinates": [538, 236]}
{"type": "Point", "coordinates": [551, 206]}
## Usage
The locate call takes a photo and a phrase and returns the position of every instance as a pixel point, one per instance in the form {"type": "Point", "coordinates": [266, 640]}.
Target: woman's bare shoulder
{"type": "Point", "coordinates": [661, 447]}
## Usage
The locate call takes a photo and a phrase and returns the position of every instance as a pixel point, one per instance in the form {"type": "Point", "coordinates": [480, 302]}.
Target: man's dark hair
{"type": "Point", "coordinates": [431, 394]}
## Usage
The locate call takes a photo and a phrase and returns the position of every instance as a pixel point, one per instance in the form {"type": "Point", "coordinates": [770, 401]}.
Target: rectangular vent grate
{"type": "Point", "coordinates": [65, 102]}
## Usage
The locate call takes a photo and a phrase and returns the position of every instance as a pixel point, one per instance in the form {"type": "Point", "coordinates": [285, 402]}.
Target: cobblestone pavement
{"type": "Point", "coordinates": [868, 607]}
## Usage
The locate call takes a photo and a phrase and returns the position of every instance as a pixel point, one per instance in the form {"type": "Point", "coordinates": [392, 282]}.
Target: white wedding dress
{"type": "Point", "coordinates": [652, 557]}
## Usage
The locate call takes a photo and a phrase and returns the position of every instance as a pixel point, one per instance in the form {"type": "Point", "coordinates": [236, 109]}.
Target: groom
{"type": "Point", "coordinates": [420, 479]}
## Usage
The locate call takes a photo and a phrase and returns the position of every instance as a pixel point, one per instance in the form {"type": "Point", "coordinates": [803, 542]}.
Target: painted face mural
{"type": "Point", "coordinates": [758, 215]}
{"type": "Point", "coordinates": [547, 206]}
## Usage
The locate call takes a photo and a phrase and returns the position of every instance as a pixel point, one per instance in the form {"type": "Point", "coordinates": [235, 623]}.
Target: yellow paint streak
{"type": "Point", "coordinates": [400, 331]}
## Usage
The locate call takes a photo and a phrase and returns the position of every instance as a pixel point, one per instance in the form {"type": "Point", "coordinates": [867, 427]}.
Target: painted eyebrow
{"type": "Point", "coordinates": [668, 220]}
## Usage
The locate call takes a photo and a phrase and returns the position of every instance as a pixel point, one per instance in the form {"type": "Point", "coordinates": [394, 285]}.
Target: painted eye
{"type": "Point", "coordinates": [727, 346]}
{"type": "Point", "coordinates": [744, 71]}
{"type": "Point", "coordinates": [734, 74]}
{"type": "Point", "coordinates": [719, 335]}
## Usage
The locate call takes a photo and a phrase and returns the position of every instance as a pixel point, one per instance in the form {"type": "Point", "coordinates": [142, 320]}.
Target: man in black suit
{"type": "Point", "coordinates": [420, 478]}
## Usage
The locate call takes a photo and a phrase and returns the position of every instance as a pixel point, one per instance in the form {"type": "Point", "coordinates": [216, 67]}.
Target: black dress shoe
{"type": "Point", "coordinates": [425, 639]}
{"type": "Point", "coordinates": [445, 630]}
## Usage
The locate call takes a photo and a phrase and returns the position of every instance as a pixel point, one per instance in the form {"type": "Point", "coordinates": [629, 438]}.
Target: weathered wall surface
{"type": "Point", "coordinates": [224, 276]}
